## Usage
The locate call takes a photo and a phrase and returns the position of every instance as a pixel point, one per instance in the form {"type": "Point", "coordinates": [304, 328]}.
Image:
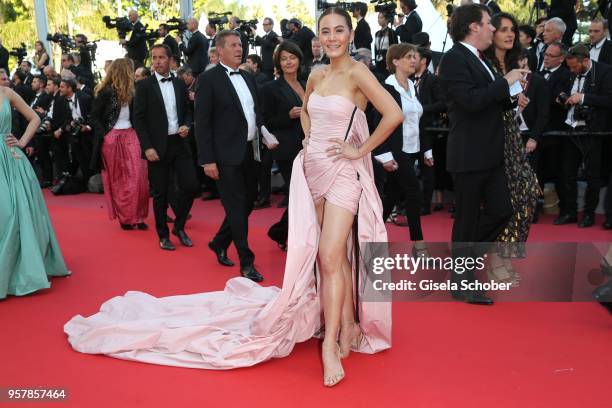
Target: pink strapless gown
{"type": "Point", "coordinates": [246, 323]}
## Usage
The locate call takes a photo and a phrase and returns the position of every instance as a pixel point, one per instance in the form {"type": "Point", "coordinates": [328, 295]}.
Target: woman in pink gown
{"type": "Point", "coordinates": [332, 191]}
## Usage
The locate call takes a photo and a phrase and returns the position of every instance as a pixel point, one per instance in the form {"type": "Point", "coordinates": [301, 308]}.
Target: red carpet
{"type": "Point", "coordinates": [444, 354]}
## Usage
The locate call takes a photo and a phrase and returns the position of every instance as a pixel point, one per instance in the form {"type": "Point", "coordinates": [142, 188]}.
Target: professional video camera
{"type": "Point", "coordinates": [322, 5]}
{"type": "Point", "coordinates": [246, 26]}
{"type": "Point", "coordinates": [122, 24]}
{"type": "Point", "coordinates": [177, 24]}
{"type": "Point", "coordinates": [19, 52]}
{"type": "Point", "coordinates": [151, 35]}
{"type": "Point", "coordinates": [219, 19]}
{"type": "Point", "coordinates": [45, 123]}
{"type": "Point", "coordinates": [386, 7]}
{"type": "Point", "coordinates": [65, 41]}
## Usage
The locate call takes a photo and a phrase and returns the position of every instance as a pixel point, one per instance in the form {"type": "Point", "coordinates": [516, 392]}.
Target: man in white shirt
{"type": "Point", "coordinates": [601, 47]}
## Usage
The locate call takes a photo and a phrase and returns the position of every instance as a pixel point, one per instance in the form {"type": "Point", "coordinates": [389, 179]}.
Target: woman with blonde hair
{"type": "Point", "coordinates": [117, 149]}
{"type": "Point", "coordinates": [41, 57]}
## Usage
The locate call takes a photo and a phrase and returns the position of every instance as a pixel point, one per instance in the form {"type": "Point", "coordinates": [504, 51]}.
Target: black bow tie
{"type": "Point", "coordinates": [234, 73]}
{"type": "Point", "coordinates": [545, 71]}
{"type": "Point", "coordinates": [169, 79]}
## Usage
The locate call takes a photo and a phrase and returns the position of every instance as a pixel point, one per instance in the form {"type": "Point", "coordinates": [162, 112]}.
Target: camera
{"type": "Point", "coordinates": [19, 52]}
{"type": "Point", "coordinates": [246, 26]}
{"type": "Point", "coordinates": [219, 19]}
{"type": "Point", "coordinates": [74, 129]}
{"type": "Point", "coordinates": [386, 7]}
{"type": "Point", "coordinates": [45, 123]}
{"type": "Point", "coordinates": [563, 97]}
{"type": "Point", "coordinates": [65, 42]}
{"type": "Point", "coordinates": [151, 36]}
{"type": "Point", "coordinates": [322, 5]}
{"type": "Point", "coordinates": [121, 24]}
{"type": "Point", "coordinates": [583, 113]}
{"type": "Point", "coordinates": [177, 24]}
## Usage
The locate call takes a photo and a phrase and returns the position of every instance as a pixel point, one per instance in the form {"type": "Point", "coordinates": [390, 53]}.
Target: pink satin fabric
{"type": "Point", "coordinates": [125, 177]}
{"type": "Point", "coordinates": [336, 181]}
{"type": "Point", "coordinates": [245, 323]}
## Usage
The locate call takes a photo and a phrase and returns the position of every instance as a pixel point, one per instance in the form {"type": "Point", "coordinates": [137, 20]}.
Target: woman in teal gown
{"type": "Point", "coordinates": [29, 251]}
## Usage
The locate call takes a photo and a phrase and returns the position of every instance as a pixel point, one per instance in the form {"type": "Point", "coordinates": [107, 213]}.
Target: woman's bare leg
{"type": "Point", "coordinates": [335, 228]}
{"type": "Point", "coordinates": [349, 329]}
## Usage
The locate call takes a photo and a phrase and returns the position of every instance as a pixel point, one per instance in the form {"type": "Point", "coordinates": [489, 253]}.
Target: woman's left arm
{"type": "Point", "coordinates": [33, 120]}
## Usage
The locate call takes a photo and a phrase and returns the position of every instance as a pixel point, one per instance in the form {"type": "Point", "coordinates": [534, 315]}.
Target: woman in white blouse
{"type": "Point", "coordinates": [400, 151]}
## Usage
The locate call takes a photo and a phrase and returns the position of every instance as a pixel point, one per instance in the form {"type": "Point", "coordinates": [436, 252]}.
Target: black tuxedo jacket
{"type": "Point", "coordinates": [150, 120]}
{"type": "Point", "coordinates": [278, 99]}
{"type": "Point", "coordinates": [430, 96]}
{"type": "Point", "coordinates": [220, 124]}
{"type": "Point", "coordinates": [303, 38]}
{"type": "Point", "coordinates": [42, 101]}
{"type": "Point", "coordinates": [268, 44]}
{"type": "Point", "coordinates": [85, 60]}
{"type": "Point", "coordinates": [605, 55]}
{"type": "Point", "coordinates": [363, 35]}
{"type": "Point", "coordinates": [475, 104]}
{"type": "Point", "coordinates": [174, 47]}
{"type": "Point", "coordinates": [137, 44]}
{"type": "Point", "coordinates": [26, 92]}
{"type": "Point", "coordinates": [196, 52]}
{"type": "Point", "coordinates": [597, 95]}
{"type": "Point", "coordinates": [537, 112]}
{"type": "Point", "coordinates": [436, 57]}
{"type": "Point", "coordinates": [558, 82]}
{"type": "Point", "coordinates": [412, 26]}
{"type": "Point", "coordinates": [60, 111]}
{"type": "Point", "coordinates": [84, 102]}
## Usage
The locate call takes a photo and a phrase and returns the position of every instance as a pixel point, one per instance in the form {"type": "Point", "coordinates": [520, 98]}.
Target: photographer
{"type": "Point", "coordinates": [26, 67]}
{"type": "Point", "coordinates": [302, 36]}
{"type": "Point", "coordinates": [68, 64]}
{"type": "Point", "coordinates": [196, 49]}
{"type": "Point", "coordinates": [81, 44]}
{"type": "Point", "coordinates": [267, 43]}
{"type": "Point", "coordinates": [4, 57]}
{"type": "Point", "coordinates": [384, 38]}
{"type": "Point", "coordinates": [589, 102]}
{"type": "Point", "coordinates": [363, 34]}
{"type": "Point", "coordinates": [136, 46]}
{"type": "Point", "coordinates": [169, 41]}
{"type": "Point", "coordinates": [412, 24]}
{"type": "Point", "coordinates": [234, 24]}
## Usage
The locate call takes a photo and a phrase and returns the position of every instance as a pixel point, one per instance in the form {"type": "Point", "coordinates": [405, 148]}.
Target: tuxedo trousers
{"type": "Point", "coordinates": [175, 166]}
{"type": "Point", "coordinates": [237, 186]}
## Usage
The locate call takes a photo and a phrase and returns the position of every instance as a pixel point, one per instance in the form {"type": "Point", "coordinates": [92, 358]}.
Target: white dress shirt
{"type": "Point", "coordinates": [578, 87]}
{"type": "Point", "coordinates": [412, 109]}
{"type": "Point", "coordinates": [550, 71]}
{"type": "Point", "coordinates": [123, 121]}
{"type": "Point", "coordinates": [246, 101]}
{"type": "Point", "coordinates": [167, 90]}
{"type": "Point", "coordinates": [474, 51]}
{"type": "Point", "coordinates": [73, 103]}
{"type": "Point", "coordinates": [596, 50]}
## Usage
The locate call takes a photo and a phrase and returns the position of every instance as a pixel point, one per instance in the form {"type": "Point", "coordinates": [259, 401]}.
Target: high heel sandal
{"type": "Point", "coordinates": [334, 379]}
{"type": "Point", "coordinates": [511, 277]}
{"type": "Point", "coordinates": [355, 342]}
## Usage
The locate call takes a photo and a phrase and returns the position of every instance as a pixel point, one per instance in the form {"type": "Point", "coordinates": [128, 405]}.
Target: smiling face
{"type": "Point", "coordinates": [504, 36]}
{"type": "Point", "coordinates": [335, 35]}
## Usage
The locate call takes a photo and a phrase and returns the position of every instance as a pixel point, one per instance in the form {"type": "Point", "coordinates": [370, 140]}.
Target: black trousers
{"type": "Point", "coordinates": [577, 150]}
{"type": "Point", "coordinates": [237, 187]}
{"type": "Point", "coordinates": [264, 176]}
{"type": "Point", "coordinates": [62, 154]}
{"type": "Point", "coordinates": [280, 230]}
{"type": "Point", "coordinates": [428, 178]}
{"type": "Point", "coordinates": [82, 150]}
{"type": "Point", "coordinates": [546, 162]}
{"type": "Point", "coordinates": [483, 208]}
{"type": "Point", "coordinates": [175, 166]}
{"type": "Point", "coordinates": [404, 182]}
{"type": "Point", "coordinates": [43, 153]}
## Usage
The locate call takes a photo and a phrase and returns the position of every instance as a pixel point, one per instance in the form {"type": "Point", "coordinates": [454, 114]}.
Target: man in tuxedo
{"type": "Point", "coordinates": [601, 47]}
{"type": "Point", "coordinates": [81, 43]}
{"type": "Point", "coordinates": [169, 41]}
{"type": "Point", "coordinates": [476, 99]}
{"type": "Point", "coordinates": [136, 46]}
{"type": "Point", "coordinates": [21, 88]}
{"type": "Point", "coordinates": [196, 49]}
{"type": "Point", "coordinates": [590, 103]}
{"type": "Point", "coordinates": [302, 36]}
{"type": "Point", "coordinates": [161, 120]}
{"type": "Point", "coordinates": [553, 32]}
{"type": "Point", "coordinates": [363, 34]}
{"type": "Point", "coordinates": [228, 146]}
{"type": "Point", "coordinates": [557, 78]}
{"type": "Point", "coordinates": [267, 43]}
{"type": "Point", "coordinates": [412, 23]}
{"type": "Point", "coordinates": [421, 40]}
{"type": "Point", "coordinates": [566, 11]}
{"type": "Point", "coordinates": [492, 6]}
{"type": "Point", "coordinates": [211, 33]}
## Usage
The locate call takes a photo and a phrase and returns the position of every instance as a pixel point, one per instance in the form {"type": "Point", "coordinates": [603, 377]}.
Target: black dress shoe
{"type": "Point", "coordinates": [221, 255]}
{"type": "Point", "coordinates": [262, 203]}
{"type": "Point", "coordinates": [127, 227]}
{"type": "Point", "coordinates": [588, 220]}
{"type": "Point", "coordinates": [166, 244]}
{"type": "Point", "coordinates": [185, 241]}
{"type": "Point", "coordinates": [565, 219]}
{"type": "Point", "coordinates": [603, 294]}
{"type": "Point", "coordinates": [251, 273]}
{"type": "Point", "coordinates": [608, 223]}
{"type": "Point", "coordinates": [472, 297]}
{"type": "Point", "coordinates": [142, 226]}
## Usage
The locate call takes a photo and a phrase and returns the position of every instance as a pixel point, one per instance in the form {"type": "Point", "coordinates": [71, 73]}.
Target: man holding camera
{"type": "Point", "coordinates": [136, 46]}
{"type": "Point", "coordinates": [196, 49]}
{"type": "Point", "coordinates": [589, 100]}
{"type": "Point", "coordinates": [412, 23]}
{"type": "Point", "coordinates": [81, 43]}
{"type": "Point", "coordinates": [267, 43]}
{"type": "Point", "coordinates": [302, 36]}
{"type": "Point", "coordinates": [168, 40]}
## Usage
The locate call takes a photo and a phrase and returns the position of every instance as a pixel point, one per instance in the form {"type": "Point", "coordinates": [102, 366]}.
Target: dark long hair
{"type": "Point", "coordinates": [340, 12]}
{"type": "Point", "coordinates": [513, 55]}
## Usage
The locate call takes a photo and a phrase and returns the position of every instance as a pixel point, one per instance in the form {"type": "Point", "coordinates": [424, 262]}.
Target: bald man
{"type": "Point", "coordinates": [136, 46]}
{"type": "Point", "coordinates": [196, 49]}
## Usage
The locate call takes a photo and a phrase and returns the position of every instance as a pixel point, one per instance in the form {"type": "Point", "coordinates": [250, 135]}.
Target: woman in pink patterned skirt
{"type": "Point", "coordinates": [117, 150]}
